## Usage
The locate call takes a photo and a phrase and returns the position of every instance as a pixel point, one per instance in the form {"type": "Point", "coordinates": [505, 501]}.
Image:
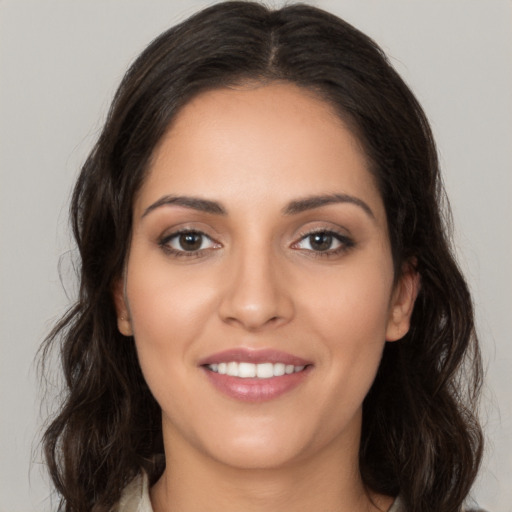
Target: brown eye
{"type": "Point", "coordinates": [320, 241]}
{"type": "Point", "coordinates": [190, 241]}
{"type": "Point", "coordinates": [187, 243]}
{"type": "Point", "coordinates": [328, 243]}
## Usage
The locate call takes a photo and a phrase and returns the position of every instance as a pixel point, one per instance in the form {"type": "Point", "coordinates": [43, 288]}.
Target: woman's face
{"type": "Point", "coordinates": [260, 249]}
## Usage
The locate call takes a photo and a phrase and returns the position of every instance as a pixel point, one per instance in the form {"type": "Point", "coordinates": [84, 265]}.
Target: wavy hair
{"type": "Point", "coordinates": [420, 436]}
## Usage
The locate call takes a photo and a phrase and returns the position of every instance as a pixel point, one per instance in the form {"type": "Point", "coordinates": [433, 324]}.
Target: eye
{"type": "Point", "coordinates": [327, 242]}
{"type": "Point", "coordinates": [187, 243]}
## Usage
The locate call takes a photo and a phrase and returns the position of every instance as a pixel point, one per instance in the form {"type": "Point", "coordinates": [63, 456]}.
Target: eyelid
{"type": "Point", "coordinates": [345, 241]}
{"type": "Point", "coordinates": [164, 243]}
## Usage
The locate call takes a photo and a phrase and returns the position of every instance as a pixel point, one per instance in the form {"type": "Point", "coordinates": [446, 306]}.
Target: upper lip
{"type": "Point", "coordinates": [256, 356]}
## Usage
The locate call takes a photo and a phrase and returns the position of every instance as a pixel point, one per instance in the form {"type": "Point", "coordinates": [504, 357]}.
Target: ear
{"type": "Point", "coordinates": [124, 323]}
{"type": "Point", "coordinates": [402, 302]}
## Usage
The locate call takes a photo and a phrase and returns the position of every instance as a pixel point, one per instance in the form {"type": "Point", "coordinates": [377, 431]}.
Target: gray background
{"type": "Point", "coordinates": [60, 62]}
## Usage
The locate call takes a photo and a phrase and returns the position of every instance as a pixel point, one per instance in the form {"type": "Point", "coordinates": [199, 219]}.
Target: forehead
{"type": "Point", "coordinates": [263, 142]}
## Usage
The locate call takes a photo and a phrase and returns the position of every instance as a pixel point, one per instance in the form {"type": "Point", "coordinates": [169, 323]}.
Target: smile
{"type": "Point", "coordinates": [245, 370]}
{"type": "Point", "coordinates": [251, 375]}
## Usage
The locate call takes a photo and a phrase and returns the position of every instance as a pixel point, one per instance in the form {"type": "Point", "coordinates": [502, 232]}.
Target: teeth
{"type": "Point", "coordinates": [245, 370]}
{"type": "Point", "coordinates": [279, 369]}
{"type": "Point", "coordinates": [232, 369]}
{"type": "Point", "coordinates": [265, 370]}
{"type": "Point", "coordinates": [251, 370]}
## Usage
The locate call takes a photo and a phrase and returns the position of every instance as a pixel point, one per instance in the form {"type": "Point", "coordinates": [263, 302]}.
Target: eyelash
{"type": "Point", "coordinates": [345, 242]}
{"type": "Point", "coordinates": [164, 244]}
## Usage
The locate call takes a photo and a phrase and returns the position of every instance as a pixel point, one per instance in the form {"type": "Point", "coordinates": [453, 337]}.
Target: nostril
{"type": "Point", "coordinates": [253, 322]}
{"type": "Point", "coordinates": [255, 300]}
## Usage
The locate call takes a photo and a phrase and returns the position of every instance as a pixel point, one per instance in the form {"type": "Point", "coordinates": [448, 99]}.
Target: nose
{"type": "Point", "coordinates": [256, 294]}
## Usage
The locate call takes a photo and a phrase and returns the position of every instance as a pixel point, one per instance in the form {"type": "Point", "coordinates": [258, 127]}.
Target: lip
{"type": "Point", "coordinates": [253, 389]}
{"type": "Point", "coordinates": [241, 355]}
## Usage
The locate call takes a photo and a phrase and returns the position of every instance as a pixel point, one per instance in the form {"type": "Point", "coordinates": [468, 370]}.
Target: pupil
{"type": "Point", "coordinates": [190, 241]}
{"type": "Point", "coordinates": [321, 241]}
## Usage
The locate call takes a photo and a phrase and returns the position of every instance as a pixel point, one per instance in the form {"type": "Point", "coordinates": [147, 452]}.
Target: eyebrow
{"type": "Point", "coordinates": [194, 203]}
{"type": "Point", "coordinates": [311, 202]}
{"type": "Point", "coordinates": [292, 208]}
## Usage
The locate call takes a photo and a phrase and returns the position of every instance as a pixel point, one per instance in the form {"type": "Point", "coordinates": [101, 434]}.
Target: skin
{"type": "Point", "coordinates": [258, 282]}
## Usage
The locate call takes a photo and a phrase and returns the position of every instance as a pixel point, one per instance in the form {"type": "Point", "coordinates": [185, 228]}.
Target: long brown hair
{"type": "Point", "coordinates": [420, 435]}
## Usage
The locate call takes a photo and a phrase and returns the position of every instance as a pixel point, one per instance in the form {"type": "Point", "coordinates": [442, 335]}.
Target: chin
{"type": "Point", "coordinates": [256, 455]}
{"type": "Point", "coordinates": [260, 443]}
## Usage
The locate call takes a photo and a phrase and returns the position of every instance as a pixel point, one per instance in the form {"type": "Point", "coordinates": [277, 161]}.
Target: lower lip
{"type": "Point", "coordinates": [256, 390]}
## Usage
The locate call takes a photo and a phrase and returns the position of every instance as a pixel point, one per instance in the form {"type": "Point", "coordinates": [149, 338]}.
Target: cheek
{"type": "Point", "coordinates": [169, 311]}
{"type": "Point", "coordinates": [349, 313]}
{"type": "Point", "coordinates": [353, 301]}
{"type": "Point", "coordinates": [164, 299]}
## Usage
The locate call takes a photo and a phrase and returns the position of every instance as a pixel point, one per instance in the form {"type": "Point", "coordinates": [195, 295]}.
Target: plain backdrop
{"type": "Point", "coordinates": [60, 62]}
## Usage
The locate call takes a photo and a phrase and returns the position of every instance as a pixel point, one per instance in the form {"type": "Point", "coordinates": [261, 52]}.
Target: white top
{"type": "Point", "coordinates": [135, 498]}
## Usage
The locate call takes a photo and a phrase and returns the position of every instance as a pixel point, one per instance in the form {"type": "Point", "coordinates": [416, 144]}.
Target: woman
{"type": "Point", "coordinates": [270, 317]}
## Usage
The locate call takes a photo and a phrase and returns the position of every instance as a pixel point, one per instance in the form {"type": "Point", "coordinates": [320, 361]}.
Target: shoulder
{"type": "Point", "coordinates": [135, 497]}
